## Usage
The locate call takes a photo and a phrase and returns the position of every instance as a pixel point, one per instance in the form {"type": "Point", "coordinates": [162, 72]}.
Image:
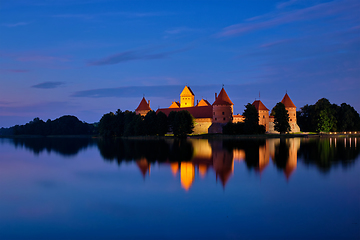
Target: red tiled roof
{"type": "Point", "coordinates": [196, 112]}
{"type": "Point", "coordinates": [223, 99]}
{"type": "Point", "coordinates": [287, 102]}
{"type": "Point", "coordinates": [143, 105]}
{"type": "Point", "coordinates": [203, 102]}
{"type": "Point", "coordinates": [259, 105]}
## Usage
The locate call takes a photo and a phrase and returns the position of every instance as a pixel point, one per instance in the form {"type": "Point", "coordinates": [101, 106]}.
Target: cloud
{"type": "Point", "coordinates": [107, 14]}
{"type": "Point", "coordinates": [133, 55]}
{"type": "Point", "coordinates": [286, 4]}
{"type": "Point", "coordinates": [40, 58]}
{"type": "Point", "coordinates": [179, 30]}
{"type": "Point", "coordinates": [10, 25]}
{"type": "Point", "coordinates": [47, 85]}
{"type": "Point", "coordinates": [14, 70]}
{"type": "Point", "coordinates": [130, 91]}
{"type": "Point", "coordinates": [271, 20]}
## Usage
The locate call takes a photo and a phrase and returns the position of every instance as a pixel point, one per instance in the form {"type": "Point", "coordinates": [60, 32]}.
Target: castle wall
{"type": "Point", "coordinates": [202, 125]}
{"type": "Point", "coordinates": [222, 113]}
{"type": "Point", "coordinates": [264, 119]}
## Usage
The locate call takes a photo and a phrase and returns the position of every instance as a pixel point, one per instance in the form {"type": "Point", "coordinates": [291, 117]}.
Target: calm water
{"type": "Point", "coordinates": [195, 189]}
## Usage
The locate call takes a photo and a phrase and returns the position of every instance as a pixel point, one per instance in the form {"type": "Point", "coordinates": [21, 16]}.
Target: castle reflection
{"type": "Point", "coordinates": [194, 159]}
{"type": "Point", "coordinates": [219, 156]}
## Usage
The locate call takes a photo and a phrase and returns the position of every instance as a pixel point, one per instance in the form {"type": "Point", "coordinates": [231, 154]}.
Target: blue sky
{"type": "Point", "coordinates": [87, 58]}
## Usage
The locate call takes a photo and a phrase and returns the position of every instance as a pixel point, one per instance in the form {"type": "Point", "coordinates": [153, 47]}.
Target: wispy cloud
{"type": "Point", "coordinates": [10, 25]}
{"type": "Point", "coordinates": [88, 16]}
{"type": "Point", "coordinates": [14, 70]}
{"type": "Point", "coordinates": [41, 58]}
{"type": "Point", "coordinates": [133, 55]}
{"type": "Point", "coordinates": [47, 85]}
{"type": "Point", "coordinates": [270, 44]}
{"type": "Point", "coordinates": [180, 30]}
{"type": "Point", "coordinates": [333, 8]}
{"type": "Point", "coordinates": [130, 91]}
{"type": "Point", "coordinates": [286, 4]}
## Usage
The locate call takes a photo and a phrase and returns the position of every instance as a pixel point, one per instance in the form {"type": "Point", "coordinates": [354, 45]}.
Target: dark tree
{"type": "Point", "coordinates": [251, 118]}
{"type": "Point", "coordinates": [171, 119]}
{"type": "Point", "coordinates": [150, 123]}
{"type": "Point", "coordinates": [281, 118]}
{"type": "Point", "coordinates": [324, 117]}
{"type": "Point", "coordinates": [162, 123]}
{"type": "Point", "coordinates": [106, 125]}
{"type": "Point", "coordinates": [183, 124]}
{"type": "Point", "coordinates": [348, 118]}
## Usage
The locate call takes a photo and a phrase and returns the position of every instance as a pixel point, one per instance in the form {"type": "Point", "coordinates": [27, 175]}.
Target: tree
{"type": "Point", "coordinates": [150, 123]}
{"type": "Point", "coordinates": [183, 124]}
{"type": "Point", "coordinates": [325, 124]}
{"type": "Point", "coordinates": [281, 118]}
{"type": "Point", "coordinates": [251, 118]}
{"type": "Point", "coordinates": [324, 117]}
{"type": "Point", "coordinates": [162, 123]}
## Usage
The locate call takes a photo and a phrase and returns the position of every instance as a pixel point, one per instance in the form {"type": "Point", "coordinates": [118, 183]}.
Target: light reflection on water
{"type": "Point", "coordinates": [87, 188]}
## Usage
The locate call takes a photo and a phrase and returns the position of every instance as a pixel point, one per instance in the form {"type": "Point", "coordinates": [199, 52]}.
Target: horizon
{"type": "Point", "coordinates": [88, 58]}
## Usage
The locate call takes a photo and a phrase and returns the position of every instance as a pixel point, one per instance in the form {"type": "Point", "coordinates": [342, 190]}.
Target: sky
{"type": "Point", "coordinates": [87, 58]}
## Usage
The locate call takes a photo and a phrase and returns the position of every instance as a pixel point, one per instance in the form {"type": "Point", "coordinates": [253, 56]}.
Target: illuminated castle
{"type": "Point", "coordinates": [268, 121]}
{"type": "Point", "coordinates": [210, 118]}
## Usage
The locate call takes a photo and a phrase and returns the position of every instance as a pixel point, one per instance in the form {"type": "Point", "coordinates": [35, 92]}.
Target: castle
{"type": "Point", "coordinates": [210, 118]}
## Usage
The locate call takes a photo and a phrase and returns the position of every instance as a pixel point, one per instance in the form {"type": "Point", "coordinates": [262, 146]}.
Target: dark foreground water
{"type": "Point", "coordinates": [198, 189]}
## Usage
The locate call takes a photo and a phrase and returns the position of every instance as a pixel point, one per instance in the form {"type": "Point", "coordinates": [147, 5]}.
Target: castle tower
{"type": "Point", "coordinates": [222, 108]}
{"type": "Point", "coordinates": [187, 97]}
{"type": "Point", "coordinates": [143, 108]}
{"type": "Point", "coordinates": [291, 108]}
{"type": "Point", "coordinates": [263, 114]}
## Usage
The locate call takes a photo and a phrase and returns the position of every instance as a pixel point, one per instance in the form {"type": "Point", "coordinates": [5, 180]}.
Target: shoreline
{"type": "Point", "coordinates": [201, 136]}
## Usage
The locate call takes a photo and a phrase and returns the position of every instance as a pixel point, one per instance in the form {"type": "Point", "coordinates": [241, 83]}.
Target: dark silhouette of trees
{"type": "Point", "coordinates": [65, 125]}
{"type": "Point", "coordinates": [281, 118]}
{"type": "Point", "coordinates": [324, 117]}
{"type": "Point", "coordinates": [183, 124]}
{"type": "Point", "coordinates": [162, 123]}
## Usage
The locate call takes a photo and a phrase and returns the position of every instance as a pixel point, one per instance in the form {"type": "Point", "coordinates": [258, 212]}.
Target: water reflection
{"type": "Point", "coordinates": [64, 146]}
{"type": "Point", "coordinates": [192, 157]}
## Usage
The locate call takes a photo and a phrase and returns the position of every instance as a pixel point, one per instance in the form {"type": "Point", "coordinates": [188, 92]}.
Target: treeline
{"type": "Point", "coordinates": [65, 125]}
{"type": "Point", "coordinates": [249, 126]}
{"type": "Point", "coordinates": [129, 123]}
{"type": "Point", "coordinates": [326, 117]}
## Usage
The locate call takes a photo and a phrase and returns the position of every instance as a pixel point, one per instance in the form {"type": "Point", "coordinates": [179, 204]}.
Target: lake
{"type": "Point", "coordinates": [83, 188]}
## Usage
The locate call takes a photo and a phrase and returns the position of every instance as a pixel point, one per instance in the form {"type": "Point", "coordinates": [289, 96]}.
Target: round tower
{"type": "Point", "coordinates": [290, 107]}
{"type": "Point", "coordinates": [222, 108]}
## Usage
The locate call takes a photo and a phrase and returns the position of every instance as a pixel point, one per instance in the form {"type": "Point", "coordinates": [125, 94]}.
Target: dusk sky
{"type": "Point", "coordinates": [87, 58]}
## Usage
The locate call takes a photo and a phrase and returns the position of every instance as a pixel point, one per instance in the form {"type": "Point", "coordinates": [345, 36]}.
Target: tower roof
{"type": "Point", "coordinates": [203, 102]}
{"type": "Point", "coordinates": [223, 99]}
{"type": "Point", "coordinates": [259, 105]}
{"type": "Point", "coordinates": [287, 102]}
{"type": "Point", "coordinates": [175, 105]}
{"type": "Point", "coordinates": [143, 105]}
{"type": "Point", "coordinates": [186, 92]}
